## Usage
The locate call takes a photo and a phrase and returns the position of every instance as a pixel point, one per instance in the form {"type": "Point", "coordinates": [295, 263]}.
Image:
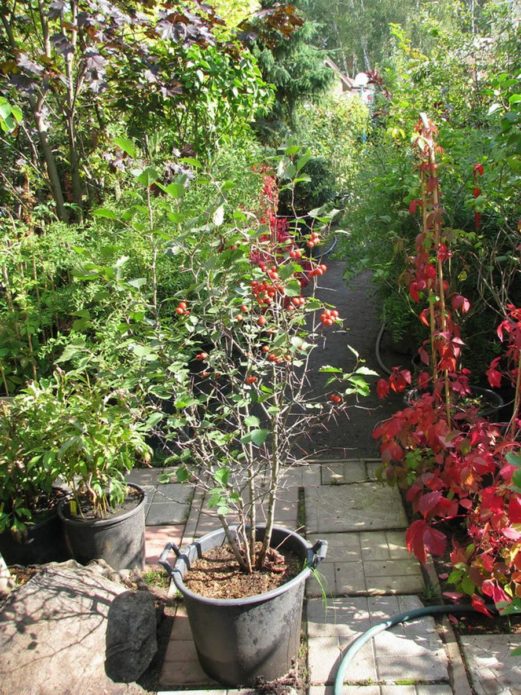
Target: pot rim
{"type": "Point", "coordinates": [78, 521]}
{"type": "Point", "coordinates": [177, 574]}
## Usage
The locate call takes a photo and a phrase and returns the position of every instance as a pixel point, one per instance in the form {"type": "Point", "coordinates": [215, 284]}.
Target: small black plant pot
{"type": "Point", "coordinates": [43, 542]}
{"type": "Point", "coordinates": [490, 401]}
{"type": "Point", "coordinates": [241, 640]}
{"type": "Point", "coordinates": [118, 539]}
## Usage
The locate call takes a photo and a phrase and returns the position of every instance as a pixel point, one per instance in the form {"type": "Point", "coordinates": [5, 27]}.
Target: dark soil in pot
{"type": "Point", "coordinates": [217, 575]}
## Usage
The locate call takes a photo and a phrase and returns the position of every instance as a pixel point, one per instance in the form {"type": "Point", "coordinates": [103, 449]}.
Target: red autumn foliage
{"type": "Point", "coordinates": [449, 459]}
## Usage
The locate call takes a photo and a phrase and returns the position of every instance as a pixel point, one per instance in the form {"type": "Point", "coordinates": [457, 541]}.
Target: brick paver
{"type": "Point", "coordinates": [375, 562]}
{"type": "Point", "coordinates": [412, 652]}
{"type": "Point", "coordinates": [493, 670]}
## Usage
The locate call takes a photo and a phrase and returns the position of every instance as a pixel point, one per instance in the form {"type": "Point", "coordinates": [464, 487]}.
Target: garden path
{"type": "Point", "coordinates": [368, 574]}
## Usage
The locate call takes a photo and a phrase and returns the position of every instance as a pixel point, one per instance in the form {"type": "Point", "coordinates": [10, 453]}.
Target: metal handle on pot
{"type": "Point", "coordinates": [163, 561]}
{"type": "Point", "coordinates": [319, 552]}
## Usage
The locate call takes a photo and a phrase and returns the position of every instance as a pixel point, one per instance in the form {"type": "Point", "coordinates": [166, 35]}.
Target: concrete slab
{"type": "Point", "coordinates": [342, 472]}
{"type": "Point", "coordinates": [410, 652]}
{"type": "Point", "coordinates": [170, 504]}
{"type": "Point", "coordinates": [356, 507]}
{"type": "Point", "coordinates": [148, 476]}
{"type": "Point", "coordinates": [493, 671]}
{"type": "Point", "coordinates": [305, 475]}
{"type": "Point", "coordinates": [437, 689]}
{"type": "Point", "coordinates": [375, 562]}
{"type": "Point", "coordinates": [156, 537]}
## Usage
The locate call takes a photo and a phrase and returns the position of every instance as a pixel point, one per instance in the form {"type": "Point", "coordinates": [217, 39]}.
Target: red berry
{"type": "Point", "coordinates": [251, 379]}
{"type": "Point", "coordinates": [201, 356]}
{"type": "Point", "coordinates": [261, 321]}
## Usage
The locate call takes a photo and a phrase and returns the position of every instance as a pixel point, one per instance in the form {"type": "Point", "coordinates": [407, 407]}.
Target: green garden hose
{"type": "Point", "coordinates": [404, 617]}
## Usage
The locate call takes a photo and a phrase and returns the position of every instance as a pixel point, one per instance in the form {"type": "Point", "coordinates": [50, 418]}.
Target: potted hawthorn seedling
{"type": "Point", "coordinates": [93, 438]}
{"type": "Point", "coordinates": [30, 530]}
{"type": "Point", "coordinates": [240, 420]}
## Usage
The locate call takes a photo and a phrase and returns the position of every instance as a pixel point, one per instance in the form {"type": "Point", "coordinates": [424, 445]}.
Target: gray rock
{"type": "Point", "coordinates": [53, 631]}
{"type": "Point", "coordinates": [131, 636]}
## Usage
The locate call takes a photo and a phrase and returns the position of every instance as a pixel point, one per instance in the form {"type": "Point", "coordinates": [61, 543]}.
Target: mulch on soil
{"type": "Point", "coordinates": [217, 574]}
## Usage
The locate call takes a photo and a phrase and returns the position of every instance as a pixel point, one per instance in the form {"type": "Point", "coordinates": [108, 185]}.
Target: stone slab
{"type": "Point", "coordinates": [148, 476]}
{"type": "Point", "coordinates": [342, 472]}
{"type": "Point", "coordinates": [356, 507]}
{"type": "Point", "coordinates": [375, 562]}
{"type": "Point", "coordinates": [493, 671]}
{"type": "Point", "coordinates": [170, 504]}
{"type": "Point", "coordinates": [53, 632]}
{"type": "Point", "coordinates": [412, 651]}
{"type": "Point", "coordinates": [305, 475]}
{"type": "Point", "coordinates": [437, 689]}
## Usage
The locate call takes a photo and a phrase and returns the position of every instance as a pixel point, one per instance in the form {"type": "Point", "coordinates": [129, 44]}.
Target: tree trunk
{"type": "Point", "coordinates": [50, 161]}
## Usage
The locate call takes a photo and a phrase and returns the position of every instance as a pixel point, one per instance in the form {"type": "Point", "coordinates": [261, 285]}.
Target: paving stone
{"type": "Point", "coordinates": [347, 568]}
{"type": "Point", "coordinates": [384, 545]}
{"type": "Point", "coordinates": [493, 670]}
{"type": "Point", "coordinates": [305, 475]}
{"type": "Point", "coordinates": [170, 505]}
{"type": "Point", "coordinates": [341, 472]}
{"type": "Point", "coordinates": [166, 513]}
{"type": "Point", "coordinates": [347, 690]}
{"type": "Point", "coordinates": [437, 689]}
{"type": "Point", "coordinates": [410, 651]}
{"type": "Point", "coordinates": [181, 666]}
{"type": "Point", "coordinates": [156, 537]}
{"type": "Point", "coordinates": [356, 507]}
{"type": "Point", "coordinates": [148, 476]}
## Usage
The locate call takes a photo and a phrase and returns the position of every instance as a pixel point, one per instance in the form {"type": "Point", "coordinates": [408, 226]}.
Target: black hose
{"type": "Point", "coordinates": [359, 642]}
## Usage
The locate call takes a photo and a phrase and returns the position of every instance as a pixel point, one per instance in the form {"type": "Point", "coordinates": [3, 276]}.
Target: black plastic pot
{"type": "Point", "coordinates": [119, 539]}
{"type": "Point", "coordinates": [491, 401]}
{"type": "Point", "coordinates": [43, 542]}
{"type": "Point", "coordinates": [241, 640]}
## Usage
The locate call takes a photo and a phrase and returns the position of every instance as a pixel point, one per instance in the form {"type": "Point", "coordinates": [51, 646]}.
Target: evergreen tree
{"type": "Point", "coordinates": [285, 42]}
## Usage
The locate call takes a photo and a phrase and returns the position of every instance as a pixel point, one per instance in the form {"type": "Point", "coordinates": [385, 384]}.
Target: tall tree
{"type": "Point", "coordinates": [287, 47]}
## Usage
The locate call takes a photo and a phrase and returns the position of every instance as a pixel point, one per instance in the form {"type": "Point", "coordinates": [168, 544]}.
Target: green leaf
{"type": "Point", "coordinates": [153, 420]}
{"type": "Point", "coordinates": [293, 288]}
{"type": "Point", "coordinates": [303, 160]}
{"type": "Point", "coordinates": [252, 421]}
{"type": "Point", "coordinates": [127, 146]}
{"type": "Point", "coordinates": [175, 189]}
{"type": "Point", "coordinates": [257, 437]}
{"type": "Point", "coordinates": [366, 371]}
{"type": "Point", "coordinates": [5, 108]}
{"type": "Point", "coordinates": [327, 369]}
{"type": "Point", "coordinates": [182, 474]}
{"type": "Point", "coordinates": [71, 351]}
{"type": "Point", "coordinates": [222, 476]}
{"type": "Point", "coordinates": [468, 586]}
{"type": "Point", "coordinates": [138, 283]}
{"type": "Point", "coordinates": [147, 176]}
{"type": "Point", "coordinates": [105, 213]}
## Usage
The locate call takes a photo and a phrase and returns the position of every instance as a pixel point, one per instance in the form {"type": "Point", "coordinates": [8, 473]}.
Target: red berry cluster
{"type": "Point", "coordinates": [182, 309]}
{"type": "Point", "coordinates": [314, 240]}
{"type": "Point", "coordinates": [318, 271]}
{"type": "Point", "coordinates": [328, 317]}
